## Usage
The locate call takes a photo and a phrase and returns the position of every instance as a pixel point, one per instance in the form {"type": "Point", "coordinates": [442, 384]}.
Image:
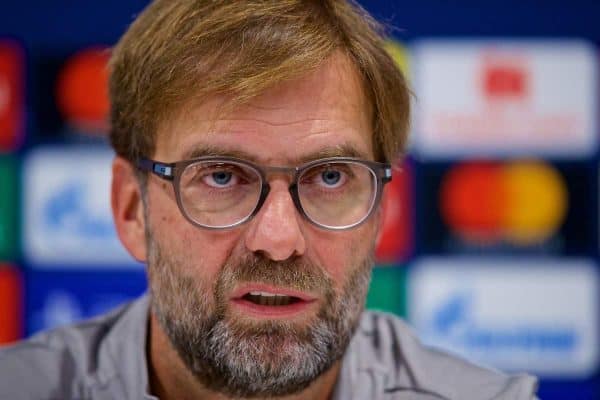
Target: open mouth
{"type": "Point", "coordinates": [269, 299]}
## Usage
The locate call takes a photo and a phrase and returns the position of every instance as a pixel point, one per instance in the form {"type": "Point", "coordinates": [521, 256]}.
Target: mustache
{"type": "Point", "coordinates": [297, 273]}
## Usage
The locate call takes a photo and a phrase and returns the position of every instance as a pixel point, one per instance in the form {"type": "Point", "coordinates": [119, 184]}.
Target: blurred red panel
{"type": "Point", "coordinates": [82, 90]}
{"type": "Point", "coordinates": [11, 305]}
{"type": "Point", "coordinates": [396, 241]}
{"type": "Point", "coordinates": [11, 95]}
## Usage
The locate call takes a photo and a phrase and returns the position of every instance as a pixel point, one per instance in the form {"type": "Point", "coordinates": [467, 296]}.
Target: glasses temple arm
{"type": "Point", "coordinates": [387, 174]}
{"type": "Point", "coordinates": [164, 171]}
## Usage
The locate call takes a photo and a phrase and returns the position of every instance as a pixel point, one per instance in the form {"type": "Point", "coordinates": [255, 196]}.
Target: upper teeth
{"type": "Point", "coordinates": [269, 299]}
{"type": "Point", "coordinates": [267, 294]}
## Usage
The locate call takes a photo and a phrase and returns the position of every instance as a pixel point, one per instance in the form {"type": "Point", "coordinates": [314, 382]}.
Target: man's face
{"type": "Point", "coordinates": [210, 287]}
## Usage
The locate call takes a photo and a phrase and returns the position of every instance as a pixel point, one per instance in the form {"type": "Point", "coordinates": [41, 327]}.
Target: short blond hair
{"type": "Point", "coordinates": [179, 50]}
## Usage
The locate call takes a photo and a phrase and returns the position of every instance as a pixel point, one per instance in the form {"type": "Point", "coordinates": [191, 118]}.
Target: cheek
{"type": "Point", "coordinates": [197, 252]}
{"type": "Point", "coordinates": [341, 253]}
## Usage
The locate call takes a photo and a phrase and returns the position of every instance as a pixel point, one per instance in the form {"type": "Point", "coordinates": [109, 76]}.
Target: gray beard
{"type": "Point", "coordinates": [244, 358]}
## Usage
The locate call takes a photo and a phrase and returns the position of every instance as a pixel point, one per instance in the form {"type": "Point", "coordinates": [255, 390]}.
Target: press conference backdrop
{"type": "Point", "coordinates": [491, 244]}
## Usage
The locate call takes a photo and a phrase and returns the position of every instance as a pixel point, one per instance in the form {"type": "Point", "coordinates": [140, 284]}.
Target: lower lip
{"type": "Point", "coordinates": [260, 311]}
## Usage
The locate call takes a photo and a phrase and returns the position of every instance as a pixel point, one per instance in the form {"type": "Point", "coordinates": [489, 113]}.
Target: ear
{"type": "Point", "coordinates": [128, 209]}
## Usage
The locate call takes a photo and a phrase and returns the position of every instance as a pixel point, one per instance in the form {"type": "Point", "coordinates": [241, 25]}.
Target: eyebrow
{"type": "Point", "coordinates": [341, 150]}
{"type": "Point", "coordinates": [213, 151]}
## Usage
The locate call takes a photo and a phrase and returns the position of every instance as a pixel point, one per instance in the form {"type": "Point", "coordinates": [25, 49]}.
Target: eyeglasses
{"type": "Point", "coordinates": [223, 192]}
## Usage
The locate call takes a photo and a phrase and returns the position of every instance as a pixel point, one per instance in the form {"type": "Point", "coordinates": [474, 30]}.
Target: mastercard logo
{"type": "Point", "coordinates": [523, 203]}
{"type": "Point", "coordinates": [82, 91]}
{"type": "Point", "coordinates": [11, 319]}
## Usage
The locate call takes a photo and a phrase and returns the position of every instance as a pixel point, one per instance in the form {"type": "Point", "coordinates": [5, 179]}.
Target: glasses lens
{"type": "Point", "coordinates": [219, 194]}
{"type": "Point", "coordinates": [337, 194]}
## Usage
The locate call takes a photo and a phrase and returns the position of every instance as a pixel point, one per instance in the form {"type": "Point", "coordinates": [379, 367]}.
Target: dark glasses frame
{"type": "Point", "coordinates": [172, 172]}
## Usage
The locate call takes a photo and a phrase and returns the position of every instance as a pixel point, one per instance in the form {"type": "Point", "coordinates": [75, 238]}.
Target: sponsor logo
{"type": "Point", "coordinates": [12, 88]}
{"type": "Point", "coordinates": [503, 98]}
{"type": "Point", "coordinates": [505, 79]}
{"type": "Point", "coordinates": [67, 218]}
{"type": "Point", "coordinates": [516, 314]}
{"type": "Point", "coordinates": [11, 305]}
{"type": "Point", "coordinates": [522, 203]}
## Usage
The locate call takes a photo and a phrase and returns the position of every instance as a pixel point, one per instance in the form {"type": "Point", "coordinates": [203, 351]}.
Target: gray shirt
{"type": "Point", "coordinates": [105, 358]}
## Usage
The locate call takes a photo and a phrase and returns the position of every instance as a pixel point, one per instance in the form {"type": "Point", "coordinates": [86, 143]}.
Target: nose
{"type": "Point", "coordinates": [275, 231]}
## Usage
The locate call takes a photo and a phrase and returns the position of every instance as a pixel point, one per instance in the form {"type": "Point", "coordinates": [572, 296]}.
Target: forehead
{"type": "Point", "coordinates": [322, 112]}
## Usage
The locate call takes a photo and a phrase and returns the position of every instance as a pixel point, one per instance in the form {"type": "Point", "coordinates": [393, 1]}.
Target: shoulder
{"type": "Point", "coordinates": [57, 364]}
{"type": "Point", "coordinates": [385, 345]}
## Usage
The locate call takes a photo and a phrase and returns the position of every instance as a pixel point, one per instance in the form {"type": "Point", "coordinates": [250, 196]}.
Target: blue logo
{"type": "Point", "coordinates": [65, 212]}
{"type": "Point", "coordinates": [454, 322]}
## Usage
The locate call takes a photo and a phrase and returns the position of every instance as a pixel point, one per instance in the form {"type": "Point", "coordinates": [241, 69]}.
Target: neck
{"type": "Point", "coordinates": [170, 379]}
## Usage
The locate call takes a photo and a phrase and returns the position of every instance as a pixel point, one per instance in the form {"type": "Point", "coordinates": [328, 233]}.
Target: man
{"type": "Point", "coordinates": [253, 142]}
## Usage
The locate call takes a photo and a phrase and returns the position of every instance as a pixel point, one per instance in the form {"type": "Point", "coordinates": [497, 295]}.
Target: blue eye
{"type": "Point", "coordinates": [331, 177]}
{"type": "Point", "coordinates": [222, 177]}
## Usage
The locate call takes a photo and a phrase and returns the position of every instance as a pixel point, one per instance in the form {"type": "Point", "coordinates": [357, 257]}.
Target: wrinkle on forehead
{"type": "Point", "coordinates": [309, 126]}
{"type": "Point", "coordinates": [231, 122]}
{"type": "Point", "coordinates": [339, 150]}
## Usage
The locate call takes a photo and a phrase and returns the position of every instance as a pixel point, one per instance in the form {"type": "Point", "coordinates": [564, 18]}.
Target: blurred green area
{"type": "Point", "coordinates": [8, 208]}
{"type": "Point", "coordinates": [388, 289]}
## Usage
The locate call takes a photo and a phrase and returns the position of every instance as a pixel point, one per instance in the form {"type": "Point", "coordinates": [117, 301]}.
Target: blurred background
{"type": "Point", "coordinates": [491, 246]}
